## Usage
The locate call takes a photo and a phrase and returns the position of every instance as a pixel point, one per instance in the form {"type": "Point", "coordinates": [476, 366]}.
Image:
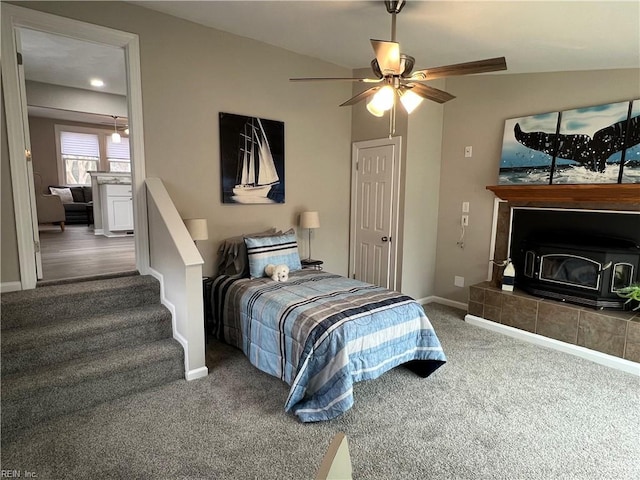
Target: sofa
{"type": "Point", "coordinates": [78, 206]}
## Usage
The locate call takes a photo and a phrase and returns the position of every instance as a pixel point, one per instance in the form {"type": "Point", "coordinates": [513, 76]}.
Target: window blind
{"type": "Point", "coordinates": [81, 144]}
{"type": "Point", "coordinates": [119, 151]}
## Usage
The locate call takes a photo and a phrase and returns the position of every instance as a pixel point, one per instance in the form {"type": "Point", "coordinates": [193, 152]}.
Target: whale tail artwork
{"type": "Point", "coordinates": [590, 152]}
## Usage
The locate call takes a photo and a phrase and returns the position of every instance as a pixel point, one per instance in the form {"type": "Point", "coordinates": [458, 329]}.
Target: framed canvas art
{"type": "Point", "coordinates": [590, 144]}
{"type": "Point", "coordinates": [251, 159]}
{"type": "Point", "coordinates": [531, 162]}
{"type": "Point", "coordinates": [630, 172]}
{"type": "Point", "coordinates": [597, 144]}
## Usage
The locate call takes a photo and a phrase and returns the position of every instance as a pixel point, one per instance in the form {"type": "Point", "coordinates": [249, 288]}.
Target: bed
{"type": "Point", "coordinates": [318, 332]}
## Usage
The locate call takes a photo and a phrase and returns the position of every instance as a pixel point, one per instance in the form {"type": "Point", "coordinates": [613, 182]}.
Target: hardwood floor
{"type": "Point", "coordinates": [77, 252]}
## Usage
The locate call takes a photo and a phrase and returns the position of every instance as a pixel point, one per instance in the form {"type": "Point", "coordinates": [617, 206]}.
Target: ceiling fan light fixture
{"type": "Point", "coordinates": [373, 110]}
{"type": "Point", "coordinates": [384, 99]}
{"type": "Point", "coordinates": [410, 100]}
{"type": "Point", "coordinates": [115, 136]}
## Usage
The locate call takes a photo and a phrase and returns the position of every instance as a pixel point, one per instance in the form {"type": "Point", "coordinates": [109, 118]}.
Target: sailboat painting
{"type": "Point", "coordinates": [252, 159]}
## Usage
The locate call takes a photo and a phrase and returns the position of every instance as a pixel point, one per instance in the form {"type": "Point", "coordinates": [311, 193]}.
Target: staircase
{"type": "Point", "coordinates": [71, 346]}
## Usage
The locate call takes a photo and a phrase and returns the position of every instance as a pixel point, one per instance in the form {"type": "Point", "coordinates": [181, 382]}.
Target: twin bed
{"type": "Point", "coordinates": [319, 332]}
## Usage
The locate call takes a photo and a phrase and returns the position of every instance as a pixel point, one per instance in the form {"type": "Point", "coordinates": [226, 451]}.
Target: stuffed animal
{"type": "Point", "coordinates": [279, 273]}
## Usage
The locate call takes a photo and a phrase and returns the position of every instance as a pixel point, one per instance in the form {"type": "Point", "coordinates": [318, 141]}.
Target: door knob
{"type": "Point", "coordinates": [385, 239]}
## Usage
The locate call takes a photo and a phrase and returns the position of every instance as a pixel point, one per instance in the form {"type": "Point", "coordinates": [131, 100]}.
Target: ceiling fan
{"type": "Point", "coordinates": [394, 73]}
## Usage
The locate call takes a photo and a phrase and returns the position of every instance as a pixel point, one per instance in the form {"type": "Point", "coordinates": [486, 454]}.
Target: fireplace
{"type": "Point", "coordinates": [596, 217]}
{"type": "Point", "coordinates": [586, 271]}
{"type": "Point", "coordinates": [581, 257]}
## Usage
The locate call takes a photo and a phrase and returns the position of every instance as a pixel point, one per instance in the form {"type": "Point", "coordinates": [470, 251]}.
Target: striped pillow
{"type": "Point", "coordinates": [278, 250]}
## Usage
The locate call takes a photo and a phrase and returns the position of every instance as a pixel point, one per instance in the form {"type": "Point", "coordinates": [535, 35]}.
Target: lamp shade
{"type": "Point", "coordinates": [410, 100]}
{"type": "Point", "coordinates": [309, 220]}
{"type": "Point", "coordinates": [197, 228]}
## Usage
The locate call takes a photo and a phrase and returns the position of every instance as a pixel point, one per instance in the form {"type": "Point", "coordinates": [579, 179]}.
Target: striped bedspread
{"type": "Point", "coordinates": [321, 333]}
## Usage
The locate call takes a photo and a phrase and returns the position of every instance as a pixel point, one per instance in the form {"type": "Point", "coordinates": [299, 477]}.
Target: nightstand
{"type": "Point", "coordinates": [207, 284]}
{"type": "Point", "coordinates": [311, 264]}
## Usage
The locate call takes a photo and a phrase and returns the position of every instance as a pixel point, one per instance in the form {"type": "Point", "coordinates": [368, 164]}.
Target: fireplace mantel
{"type": "Point", "coordinates": [626, 193]}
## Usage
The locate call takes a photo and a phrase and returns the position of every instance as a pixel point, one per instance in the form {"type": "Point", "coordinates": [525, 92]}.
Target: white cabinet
{"type": "Point", "coordinates": [118, 204]}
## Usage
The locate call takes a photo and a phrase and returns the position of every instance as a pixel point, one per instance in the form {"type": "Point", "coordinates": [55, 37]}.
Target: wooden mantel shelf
{"type": "Point", "coordinates": [627, 193]}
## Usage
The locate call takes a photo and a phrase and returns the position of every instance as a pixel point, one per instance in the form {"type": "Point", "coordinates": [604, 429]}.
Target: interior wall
{"type": "Point", "coordinates": [476, 118]}
{"type": "Point", "coordinates": [422, 187]}
{"type": "Point", "coordinates": [190, 73]}
{"type": "Point", "coordinates": [43, 147]}
{"type": "Point", "coordinates": [9, 266]}
{"type": "Point", "coordinates": [75, 99]}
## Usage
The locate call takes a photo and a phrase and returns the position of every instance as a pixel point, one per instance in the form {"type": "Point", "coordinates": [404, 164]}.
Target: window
{"type": "Point", "coordinates": [82, 150]}
{"type": "Point", "coordinates": [118, 155]}
{"type": "Point", "coordinates": [80, 154]}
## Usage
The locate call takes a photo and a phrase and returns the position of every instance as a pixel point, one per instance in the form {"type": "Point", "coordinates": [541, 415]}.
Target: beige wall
{"type": "Point", "coordinates": [43, 150]}
{"type": "Point", "coordinates": [9, 266]}
{"type": "Point", "coordinates": [191, 73]}
{"type": "Point", "coordinates": [476, 118]}
{"type": "Point", "coordinates": [43, 147]}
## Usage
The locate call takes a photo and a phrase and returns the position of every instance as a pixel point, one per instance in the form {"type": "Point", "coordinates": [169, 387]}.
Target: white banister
{"type": "Point", "coordinates": [176, 262]}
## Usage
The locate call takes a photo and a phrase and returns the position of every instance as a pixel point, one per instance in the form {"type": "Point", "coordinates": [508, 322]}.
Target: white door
{"type": "Point", "coordinates": [374, 201]}
{"type": "Point", "coordinates": [27, 143]}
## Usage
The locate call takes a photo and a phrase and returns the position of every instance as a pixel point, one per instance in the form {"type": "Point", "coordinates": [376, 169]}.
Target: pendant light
{"type": "Point", "coordinates": [115, 136]}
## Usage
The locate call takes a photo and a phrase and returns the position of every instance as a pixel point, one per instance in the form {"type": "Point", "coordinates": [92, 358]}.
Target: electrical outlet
{"type": "Point", "coordinates": [468, 151]}
{"type": "Point", "coordinates": [465, 220]}
{"type": "Point", "coordinates": [465, 207]}
{"type": "Point", "coordinates": [458, 281]}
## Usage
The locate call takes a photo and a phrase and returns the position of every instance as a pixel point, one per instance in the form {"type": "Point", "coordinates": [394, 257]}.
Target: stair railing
{"type": "Point", "coordinates": [177, 264]}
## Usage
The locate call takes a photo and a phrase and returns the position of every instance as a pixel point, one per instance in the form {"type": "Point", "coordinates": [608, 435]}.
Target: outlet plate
{"type": "Point", "coordinates": [465, 207]}
{"type": "Point", "coordinates": [465, 220]}
{"type": "Point", "coordinates": [458, 281]}
{"type": "Point", "coordinates": [468, 151]}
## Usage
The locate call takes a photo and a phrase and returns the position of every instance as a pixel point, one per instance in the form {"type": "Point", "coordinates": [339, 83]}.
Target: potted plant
{"type": "Point", "coordinates": [632, 293]}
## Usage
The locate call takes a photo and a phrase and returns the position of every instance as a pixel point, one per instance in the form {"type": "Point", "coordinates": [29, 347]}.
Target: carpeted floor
{"type": "Point", "coordinates": [498, 409]}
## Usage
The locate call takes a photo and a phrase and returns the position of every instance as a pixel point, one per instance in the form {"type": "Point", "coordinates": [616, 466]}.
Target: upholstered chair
{"type": "Point", "coordinates": [49, 207]}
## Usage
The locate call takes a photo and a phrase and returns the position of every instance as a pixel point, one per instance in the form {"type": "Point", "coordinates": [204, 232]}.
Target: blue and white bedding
{"type": "Point", "coordinates": [321, 333]}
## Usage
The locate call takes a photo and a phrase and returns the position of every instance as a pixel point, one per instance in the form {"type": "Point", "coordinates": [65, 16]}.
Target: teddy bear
{"type": "Point", "coordinates": [279, 273]}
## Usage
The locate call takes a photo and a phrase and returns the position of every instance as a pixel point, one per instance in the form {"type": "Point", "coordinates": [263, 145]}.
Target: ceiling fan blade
{"type": "Point", "coordinates": [387, 55]}
{"type": "Point", "coordinates": [478, 66]}
{"type": "Point", "coordinates": [430, 93]}
{"type": "Point", "coordinates": [361, 96]}
{"type": "Point", "coordinates": [340, 79]}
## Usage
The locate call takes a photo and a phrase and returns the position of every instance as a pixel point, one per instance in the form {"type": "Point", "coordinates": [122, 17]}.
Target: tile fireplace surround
{"type": "Point", "coordinates": [612, 332]}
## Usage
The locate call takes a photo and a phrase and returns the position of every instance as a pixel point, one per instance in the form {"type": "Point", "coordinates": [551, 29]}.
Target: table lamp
{"type": "Point", "coordinates": [197, 228]}
{"type": "Point", "coordinates": [309, 220]}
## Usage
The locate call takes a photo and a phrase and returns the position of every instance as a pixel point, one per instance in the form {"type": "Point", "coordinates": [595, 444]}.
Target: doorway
{"type": "Point", "coordinates": [375, 196]}
{"type": "Point", "coordinates": [17, 19]}
{"type": "Point", "coordinates": [78, 123]}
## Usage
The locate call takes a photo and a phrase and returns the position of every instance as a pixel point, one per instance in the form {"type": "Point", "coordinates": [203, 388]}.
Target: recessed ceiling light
{"type": "Point", "coordinates": [96, 82]}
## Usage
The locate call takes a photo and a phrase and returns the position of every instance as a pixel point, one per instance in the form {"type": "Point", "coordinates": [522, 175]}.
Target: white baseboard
{"type": "Point", "coordinates": [443, 301]}
{"type": "Point", "coordinates": [197, 373]}
{"type": "Point", "coordinates": [6, 287]}
{"type": "Point", "coordinates": [188, 374]}
{"type": "Point", "coordinates": [592, 355]}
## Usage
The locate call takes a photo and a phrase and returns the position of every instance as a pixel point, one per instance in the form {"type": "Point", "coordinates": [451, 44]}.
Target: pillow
{"type": "Point", "coordinates": [63, 193]}
{"type": "Point", "coordinates": [232, 254]}
{"type": "Point", "coordinates": [280, 249]}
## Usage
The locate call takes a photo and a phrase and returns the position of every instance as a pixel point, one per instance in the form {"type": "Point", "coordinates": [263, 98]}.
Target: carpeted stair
{"type": "Point", "coordinates": [71, 346]}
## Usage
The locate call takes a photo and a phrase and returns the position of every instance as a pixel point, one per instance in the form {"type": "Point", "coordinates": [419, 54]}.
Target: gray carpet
{"type": "Point", "coordinates": [499, 408]}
